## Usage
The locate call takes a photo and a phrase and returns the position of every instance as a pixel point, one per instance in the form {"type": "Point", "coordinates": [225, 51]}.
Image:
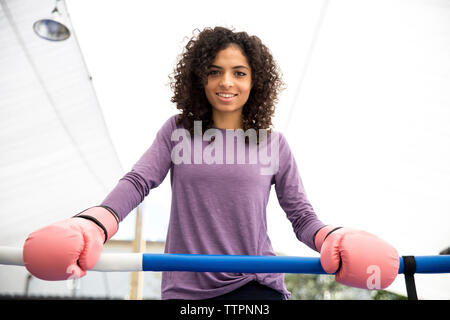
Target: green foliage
{"type": "Point", "coordinates": [324, 287]}
{"type": "Point", "coordinates": [387, 295]}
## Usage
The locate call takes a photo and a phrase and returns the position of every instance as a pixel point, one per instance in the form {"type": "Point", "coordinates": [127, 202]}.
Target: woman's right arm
{"type": "Point", "coordinates": [148, 173]}
{"type": "Point", "coordinates": [68, 248]}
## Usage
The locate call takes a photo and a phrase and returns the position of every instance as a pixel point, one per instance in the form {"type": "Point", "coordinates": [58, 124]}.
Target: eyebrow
{"type": "Point", "coordinates": [235, 67]}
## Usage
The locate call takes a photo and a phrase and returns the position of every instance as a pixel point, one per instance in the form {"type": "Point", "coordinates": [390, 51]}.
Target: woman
{"type": "Point", "coordinates": [223, 158]}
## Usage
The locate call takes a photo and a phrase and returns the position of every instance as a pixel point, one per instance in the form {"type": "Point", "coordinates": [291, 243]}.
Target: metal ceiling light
{"type": "Point", "coordinates": [52, 28]}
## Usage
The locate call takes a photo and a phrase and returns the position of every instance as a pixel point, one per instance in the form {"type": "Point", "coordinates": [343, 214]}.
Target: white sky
{"type": "Point", "coordinates": [370, 129]}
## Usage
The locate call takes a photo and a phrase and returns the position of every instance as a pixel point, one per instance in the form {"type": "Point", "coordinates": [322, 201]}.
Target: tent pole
{"type": "Point", "coordinates": [139, 246]}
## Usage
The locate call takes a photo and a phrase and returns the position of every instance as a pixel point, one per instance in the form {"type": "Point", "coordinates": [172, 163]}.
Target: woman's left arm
{"type": "Point", "coordinates": [358, 258]}
{"type": "Point", "coordinates": [292, 196]}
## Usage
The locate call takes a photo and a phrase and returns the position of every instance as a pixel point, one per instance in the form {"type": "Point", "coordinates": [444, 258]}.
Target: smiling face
{"type": "Point", "coordinates": [229, 81]}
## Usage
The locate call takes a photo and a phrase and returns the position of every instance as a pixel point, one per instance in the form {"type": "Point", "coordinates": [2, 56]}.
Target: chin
{"type": "Point", "coordinates": [226, 108]}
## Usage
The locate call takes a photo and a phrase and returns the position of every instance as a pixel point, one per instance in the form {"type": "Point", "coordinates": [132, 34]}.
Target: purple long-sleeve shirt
{"type": "Point", "coordinates": [219, 202]}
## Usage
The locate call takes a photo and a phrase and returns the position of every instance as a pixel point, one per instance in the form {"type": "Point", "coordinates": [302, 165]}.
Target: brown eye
{"type": "Point", "coordinates": [213, 73]}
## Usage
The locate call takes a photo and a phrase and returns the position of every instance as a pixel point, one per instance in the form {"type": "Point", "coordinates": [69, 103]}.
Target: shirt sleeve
{"type": "Point", "coordinates": [148, 173]}
{"type": "Point", "coordinates": [292, 197]}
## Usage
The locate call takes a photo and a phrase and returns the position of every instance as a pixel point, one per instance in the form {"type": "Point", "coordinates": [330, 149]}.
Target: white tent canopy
{"type": "Point", "coordinates": [56, 156]}
{"type": "Point", "coordinates": [366, 111]}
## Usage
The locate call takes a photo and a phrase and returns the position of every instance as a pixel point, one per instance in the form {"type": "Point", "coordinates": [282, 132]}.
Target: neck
{"type": "Point", "coordinates": [227, 120]}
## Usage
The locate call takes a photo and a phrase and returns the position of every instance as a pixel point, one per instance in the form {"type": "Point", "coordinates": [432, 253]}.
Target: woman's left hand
{"type": "Point", "coordinates": [359, 259]}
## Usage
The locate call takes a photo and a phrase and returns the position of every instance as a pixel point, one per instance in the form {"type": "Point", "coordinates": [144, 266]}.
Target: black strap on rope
{"type": "Point", "coordinates": [409, 263]}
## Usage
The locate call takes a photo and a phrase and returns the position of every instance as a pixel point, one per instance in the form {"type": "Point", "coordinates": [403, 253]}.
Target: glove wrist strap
{"type": "Point", "coordinates": [104, 217]}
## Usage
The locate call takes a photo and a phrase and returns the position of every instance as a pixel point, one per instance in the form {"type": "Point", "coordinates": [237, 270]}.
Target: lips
{"type": "Point", "coordinates": [226, 96]}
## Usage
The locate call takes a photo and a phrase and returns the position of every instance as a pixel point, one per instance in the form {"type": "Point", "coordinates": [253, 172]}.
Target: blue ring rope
{"type": "Point", "coordinates": [265, 264]}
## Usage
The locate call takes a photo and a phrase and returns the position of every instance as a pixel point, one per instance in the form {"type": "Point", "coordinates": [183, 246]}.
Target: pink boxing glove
{"type": "Point", "coordinates": [359, 259]}
{"type": "Point", "coordinates": [66, 249]}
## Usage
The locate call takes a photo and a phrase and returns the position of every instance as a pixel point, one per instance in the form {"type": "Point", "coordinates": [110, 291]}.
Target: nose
{"type": "Point", "coordinates": [226, 81]}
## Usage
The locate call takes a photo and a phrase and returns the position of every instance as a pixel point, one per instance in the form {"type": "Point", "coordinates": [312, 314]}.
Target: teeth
{"type": "Point", "coordinates": [226, 95]}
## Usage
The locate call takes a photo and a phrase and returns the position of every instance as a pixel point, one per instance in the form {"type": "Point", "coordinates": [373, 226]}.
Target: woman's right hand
{"type": "Point", "coordinates": [68, 248]}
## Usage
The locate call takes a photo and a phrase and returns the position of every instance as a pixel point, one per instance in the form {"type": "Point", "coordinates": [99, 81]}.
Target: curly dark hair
{"type": "Point", "coordinates": [190, 74]}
